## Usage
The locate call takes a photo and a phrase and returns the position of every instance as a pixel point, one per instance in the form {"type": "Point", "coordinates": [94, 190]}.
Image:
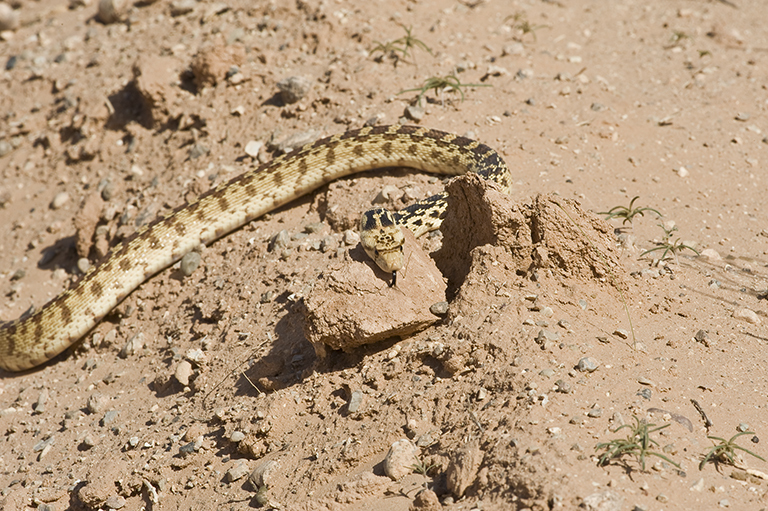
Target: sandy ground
{"type": "Point", "coordinates": [194, 386]}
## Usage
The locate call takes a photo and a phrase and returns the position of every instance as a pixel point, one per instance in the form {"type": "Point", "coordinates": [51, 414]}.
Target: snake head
{"type": "Point", "coordinates": [382, 239]}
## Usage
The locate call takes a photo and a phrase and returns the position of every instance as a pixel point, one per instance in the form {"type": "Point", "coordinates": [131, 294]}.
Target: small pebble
{"type": "Point", "coordinates": [59, 200]}
{"type": "Point", "coordinates": [263, 474]}
{"type": "Point", "coordinates": [742, 427]}
{"type": "Point", "coordinates": [9, 19]}
{"type": "Point", "coordinates": [295, 141]}
{"type": "Point", "coordinates": [351, 237]}
{"type": "Point", "coordinates": [97, 402]}
{"type": "Point", "coordinates": [703, 337]}
{"type": "Point", "coordinates": [388, 193]}
{"type": "Point", "coordinates": [279, 241]}
{"type": "Point", "coordinates": [253, 147]}
{"type": "Point", "coordinates": [190, 262]}
{"type": "Point", "coordinates": [133, 346]}
{"type": "Point", "coordinates": [182, 7]}
{"type": "Point", "coordinates": [183, 372]}
{"type": "Point", "coordinates": [621, 333]}
{"type": "Point", "coordinates": [5, 146]}
{"type": "Point", "coordinates": [109, 417]}
{"type": "Point", "coordinates": [42, 398]}
{"type": "Point", "coordinates": [198, 150]}
{"type": "Point", "coordinates": [238, 471]}
{"type": "Point", "coordinates": [587, 365]}
{"type": "Point", "coordinates": [711, 254]}
{"type": "Point", "coordinates": [355, 400]}
{"type": "Point", "coordinates": [594, 413]}
{"type": "Point", "coordinates": [400, 458]}
{"type": "Point", "coordinates": [747, 315]}
{"type": "Point", "coordinates": [294, 88]}
{"type": "Point", "coordinates": [83, 264]}
{"type": "Point", "coordinates": [414, 113]}
{"type": "Point", "coordinates": [115, 502]}
{"type": "Point", "coordinates": [236, 436]}
{"type": "Point", "coordinates": [563, 387]}
{"type": "Point", "coordinates": [328, 244]}
{"type": "Point", "coordinates": [439, 308]}
{"type": "Point", "coordinates": [111, 11]}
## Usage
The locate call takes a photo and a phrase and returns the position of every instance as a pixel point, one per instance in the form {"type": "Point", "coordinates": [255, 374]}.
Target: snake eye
{"type": "Point", "coordinates": [376, 252]}
{"type": "Point", "coordinates": [401, 248]}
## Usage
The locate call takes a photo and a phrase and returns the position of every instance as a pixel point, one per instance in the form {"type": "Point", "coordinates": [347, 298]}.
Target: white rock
{"type": "Point", "coordinates": [253, 147]}
{"type": "Point", "coordinates": [400, 459]}
{"type": "Point", "coordinates": [747, 315]}
{"type": "Point", "coordinates": [183, 372]}
{"type": "Point", "coordinates": [59, 200]}
{"type": "Point", "coordinates": [682, 172]}
{"type": "Point", "coordinates": [711, 254]}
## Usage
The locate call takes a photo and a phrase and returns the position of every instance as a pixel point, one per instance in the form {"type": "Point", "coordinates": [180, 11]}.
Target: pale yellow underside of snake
{"type": "Point", "coordinates": [35, 339]}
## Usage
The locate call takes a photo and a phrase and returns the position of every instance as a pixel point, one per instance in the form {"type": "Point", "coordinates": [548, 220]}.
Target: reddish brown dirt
{"type": "Point", "coordinates": [590, 104]}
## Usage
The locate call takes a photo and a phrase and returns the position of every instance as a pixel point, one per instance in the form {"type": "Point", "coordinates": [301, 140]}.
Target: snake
{"type": "Point", "coordinates": [41, 335]}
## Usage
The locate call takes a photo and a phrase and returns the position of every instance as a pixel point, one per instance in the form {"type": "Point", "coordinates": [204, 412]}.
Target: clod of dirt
{"type": "Point", "coordinates": [540, 236]}
{"type": "Point", "coordinates": [353, 305]}
{"type": "Point", "coordinates": [462, 471]}
{"type": "Point", "coordinates": [153, 77]}
{"type": "Point", "coordinates": [101, 482]}
{"type": "Point", "coordinates": [210, 65]}
{"type": "Point", "coordinates": [85, 223]}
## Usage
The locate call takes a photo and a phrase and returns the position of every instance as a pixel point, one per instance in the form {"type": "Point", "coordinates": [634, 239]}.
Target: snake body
{"type": "Point", "coordinates": [37, 338]}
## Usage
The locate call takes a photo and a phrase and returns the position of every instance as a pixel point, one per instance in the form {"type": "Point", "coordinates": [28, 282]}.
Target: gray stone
{"type": "Point", "coordinates": [189, 263]}
{"type": "Point", "coordinates": [293, 88]}
{"type": "Point", "coordinates": [588, 365]}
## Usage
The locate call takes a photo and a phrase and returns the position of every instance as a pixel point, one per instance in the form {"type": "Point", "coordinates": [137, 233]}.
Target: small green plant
{"type": "Point", "coordinates": [670, 246]}
{"type": "Point", "coordinates": [725, 450]}
{"type": "Point", "coordinates": [638, 444]}
{"type": "Point", "coordinates": [441, 84]}
{"type": "Point", "coordinates": [399, 48]}
{"type": "Point", "coordinates": [423, 468]}
{"type": "Point", "coordinates": [627, 213]}
{"type": "Point", "coordinates": [521, 23]}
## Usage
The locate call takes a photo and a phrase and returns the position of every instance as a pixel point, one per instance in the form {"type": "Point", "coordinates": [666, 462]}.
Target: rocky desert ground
{"type": "Point", "coordinates": [553, 327]}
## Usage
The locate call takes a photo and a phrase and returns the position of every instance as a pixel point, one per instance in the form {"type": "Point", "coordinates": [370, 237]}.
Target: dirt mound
{"type": "Point", "coordinates": [543, 236]}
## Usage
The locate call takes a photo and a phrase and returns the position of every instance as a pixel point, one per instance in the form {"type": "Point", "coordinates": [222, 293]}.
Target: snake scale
{"type": "Point", "coordinates": [35, 339]}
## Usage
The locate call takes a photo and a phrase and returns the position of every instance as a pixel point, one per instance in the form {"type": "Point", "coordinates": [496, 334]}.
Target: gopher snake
{"type": "Point", "coordinates": [37, 338]}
